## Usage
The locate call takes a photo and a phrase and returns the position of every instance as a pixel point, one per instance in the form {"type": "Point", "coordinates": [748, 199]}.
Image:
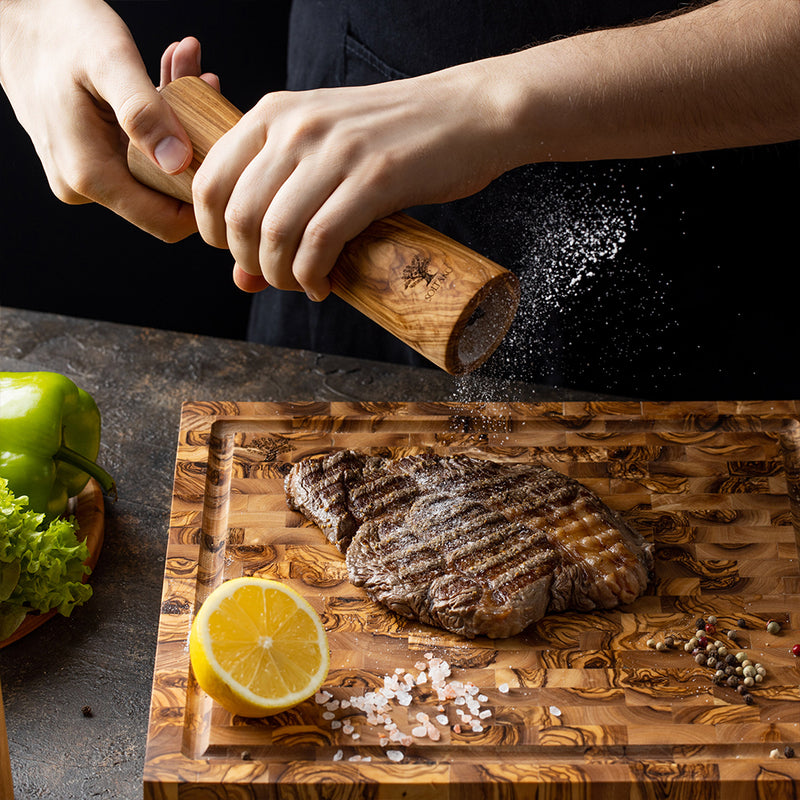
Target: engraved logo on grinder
{"type": "Point", "coordinates": [418, 271]}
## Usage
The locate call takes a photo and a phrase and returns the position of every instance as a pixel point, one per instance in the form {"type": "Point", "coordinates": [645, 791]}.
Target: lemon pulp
{"type": "Point", "coordinates": [257, 647]}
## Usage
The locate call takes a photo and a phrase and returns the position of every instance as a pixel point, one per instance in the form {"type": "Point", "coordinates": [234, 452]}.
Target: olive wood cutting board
{"type": "Point", "coordinates": [579, 705]}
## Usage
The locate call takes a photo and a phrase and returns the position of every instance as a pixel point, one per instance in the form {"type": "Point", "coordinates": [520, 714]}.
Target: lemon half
{"type": "Point", "coordinates": [257, 647]}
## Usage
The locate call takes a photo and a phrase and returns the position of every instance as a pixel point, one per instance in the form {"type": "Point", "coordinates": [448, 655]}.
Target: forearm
{"type": "Point", "coordinates": [724, 75]}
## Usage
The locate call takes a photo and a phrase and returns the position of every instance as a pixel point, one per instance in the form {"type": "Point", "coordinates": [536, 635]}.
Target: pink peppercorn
{"type": "Point", "coordinates": [796, 650]}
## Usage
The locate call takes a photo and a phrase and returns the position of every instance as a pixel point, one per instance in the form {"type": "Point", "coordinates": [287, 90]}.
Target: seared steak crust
{"type": "Point", "coordinates": [474, 546]}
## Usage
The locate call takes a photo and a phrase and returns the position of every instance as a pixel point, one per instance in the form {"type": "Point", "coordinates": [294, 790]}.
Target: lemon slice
{"type": "Point", "coordinates": [257, 647]}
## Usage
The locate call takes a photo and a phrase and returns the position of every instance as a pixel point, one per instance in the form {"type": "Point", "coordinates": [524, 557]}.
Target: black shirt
{"type": "Point", "coordinates": [661, 278]}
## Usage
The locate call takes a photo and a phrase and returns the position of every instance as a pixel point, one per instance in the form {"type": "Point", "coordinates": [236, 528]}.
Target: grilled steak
{"type": "Point", "coordinates": [476, 547]}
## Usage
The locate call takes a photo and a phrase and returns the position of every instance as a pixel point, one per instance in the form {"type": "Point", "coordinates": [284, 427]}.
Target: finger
{"type": "Point", "coordinates": [345, 215]}
{"type": "Point", "coordinates": [186, 58]}
{"type": "Point", "coordinates": [246, 282]}
{"type": "Point", "coordinates": [143, 114]}
{"type": "Point", "coordinates": [247, 208]}
{"type": "Point", "coordinates": [218, 175]}
{"type": "Point", "coordinates": [286, 223]}
{"type": "Point", "coordinates": [165, 67]}
{"type": "Point", "coordinates": [211, 79]}
{"type": "Point", "coordinates": [162, 216]}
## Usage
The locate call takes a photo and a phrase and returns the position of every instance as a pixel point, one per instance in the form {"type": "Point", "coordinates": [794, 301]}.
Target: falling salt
{"type": "Point", "coordinates": [564, 233]}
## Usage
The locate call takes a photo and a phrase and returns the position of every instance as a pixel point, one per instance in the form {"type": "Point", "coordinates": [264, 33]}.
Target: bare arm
{"type": "Point", "coordinates": [724, 75]}
{"type": "Point", "coordinates": [304, 172]}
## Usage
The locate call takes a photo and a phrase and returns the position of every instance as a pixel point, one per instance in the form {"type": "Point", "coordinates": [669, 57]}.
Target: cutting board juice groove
{"type": "Point", "coordinates": [439, 297]}
{"type": "Point", "coordinates": [591, 711]}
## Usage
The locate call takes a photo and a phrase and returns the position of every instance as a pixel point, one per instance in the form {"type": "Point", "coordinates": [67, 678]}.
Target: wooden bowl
{"type": "Point", "coordinates": [89, 511]}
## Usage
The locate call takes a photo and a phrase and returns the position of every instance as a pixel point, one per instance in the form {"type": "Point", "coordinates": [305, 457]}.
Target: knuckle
{"type": "Point", "coordinates": [77, 183]}
{"type": "Point", "coordinates": [274, 232]}
{"type": "Point", "coordinates": [138, 115]}
{"type": "Point", "coordinates": [239, 221]}
{"type": "Point", "coordinates": [203, 194]}
{"type": "Point", "coordinates": [319, 235]}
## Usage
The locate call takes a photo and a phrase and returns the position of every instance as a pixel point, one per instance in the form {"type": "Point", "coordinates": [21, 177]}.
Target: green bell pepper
{"type": "Point", "coordinates": [49, 439]}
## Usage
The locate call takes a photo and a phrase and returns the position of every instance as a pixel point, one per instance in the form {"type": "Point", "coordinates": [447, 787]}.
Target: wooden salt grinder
{"type": "Point", "coordinates": [447, 302]}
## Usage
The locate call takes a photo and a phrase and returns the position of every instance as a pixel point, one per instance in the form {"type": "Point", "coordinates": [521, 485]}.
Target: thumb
{"type": "Point", "coordinates": [145, 116]}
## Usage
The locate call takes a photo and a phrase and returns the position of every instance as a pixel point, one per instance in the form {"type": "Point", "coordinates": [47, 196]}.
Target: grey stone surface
{"type": "Point", "coordinates": [102, 656]}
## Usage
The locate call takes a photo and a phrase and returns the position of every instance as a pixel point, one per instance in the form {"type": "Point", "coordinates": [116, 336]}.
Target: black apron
{"type": "Point", "coordinates": [658, 278]}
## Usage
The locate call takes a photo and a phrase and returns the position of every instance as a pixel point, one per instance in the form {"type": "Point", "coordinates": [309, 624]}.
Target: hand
{"type": "Point", "coordinates": [304, 172]}
{"type": "Point", "coordinates": [79, 88]}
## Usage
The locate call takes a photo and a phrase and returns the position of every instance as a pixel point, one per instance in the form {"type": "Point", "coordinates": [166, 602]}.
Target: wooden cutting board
{"type": "Point", "coordinates": [590, 710]}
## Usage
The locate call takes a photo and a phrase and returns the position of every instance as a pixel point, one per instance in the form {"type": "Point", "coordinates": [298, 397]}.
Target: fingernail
{"type": "Point", "coordinates": [171, 154]}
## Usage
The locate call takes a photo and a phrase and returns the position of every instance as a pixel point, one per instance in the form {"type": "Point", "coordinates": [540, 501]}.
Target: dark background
{"type": "Point", "coordinates": [711, 266]}
{"type": "Point", "coordinates": [83, 260]}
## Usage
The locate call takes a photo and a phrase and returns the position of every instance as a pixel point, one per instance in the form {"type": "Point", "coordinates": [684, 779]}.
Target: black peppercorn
{"type": "Point", "coordinates": [741, 623]}
{"type": "Point", "coordinates": [748, 698]}
{"type": "Point", "coordinates": [246, 755]}
{"type": "Point", "coordinates": [788, 751]}
{"type": "Point", "coordinates": [86, 711]}
{"type": "Point", "coordinates": [700, 624]}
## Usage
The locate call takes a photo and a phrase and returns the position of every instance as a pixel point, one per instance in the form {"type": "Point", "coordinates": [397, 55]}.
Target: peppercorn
{"type": "Point", "coordinates": [733, 681]}
{"type": "Point", "coordinates": [711, 619]}
{"type": "Point", "coordinates": [702, 641]}
{"type": "Point", "coordinates": [773, 627]}
{"type": "Point", "coordinates": [730, 660]}
{"type": "Point", "coordinates": [788, 751]}
{"type": "Point", "coordinates": [246, 755]}
{"type": "Point", "coordinates": [86, 711]}
{"type": "Point", "coordinates": [732, 634]}
{"type": "Point", "coordinates": [711, 628]}
{"type": "Point", "coordinates": [700, 658]}
{"type": "Point", "coordinates": [700, 624]}
{"type": "Point", "coordinates": [669, 641]}
{"type": "Point", "coordinates": [660, 646]}
{"type": "Point", "coordinates": [651, 642]}
{"type": "Point", "coordinates": [748, 698]}
{"type": "Point", "coordinates": [796, 650]}
{"type": "Point", "coordinates": [742, 623]}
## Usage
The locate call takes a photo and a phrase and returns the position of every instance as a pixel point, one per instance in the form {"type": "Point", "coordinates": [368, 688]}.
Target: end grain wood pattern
{"type": "Point", "coordinates": [591, 711]}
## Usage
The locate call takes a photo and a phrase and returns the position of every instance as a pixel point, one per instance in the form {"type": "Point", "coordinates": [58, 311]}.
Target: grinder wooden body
{"type": "Point", "coordinates": [447, 302]}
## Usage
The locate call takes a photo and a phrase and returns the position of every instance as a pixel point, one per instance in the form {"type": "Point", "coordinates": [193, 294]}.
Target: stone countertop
{"type": "Point", "coordinates": [102, 655]}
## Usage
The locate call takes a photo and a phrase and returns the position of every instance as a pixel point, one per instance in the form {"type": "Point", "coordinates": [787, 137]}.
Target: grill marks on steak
{"type": "Point", "coordinates": [473, 546]}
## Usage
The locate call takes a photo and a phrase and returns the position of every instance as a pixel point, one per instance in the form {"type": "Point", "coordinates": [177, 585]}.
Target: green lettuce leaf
{"type": "Point", "coordinates": [47, 562]}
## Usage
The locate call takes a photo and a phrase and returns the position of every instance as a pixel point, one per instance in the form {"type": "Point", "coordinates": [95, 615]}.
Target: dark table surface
{"type": "Point", "coordinates": [102, 656]}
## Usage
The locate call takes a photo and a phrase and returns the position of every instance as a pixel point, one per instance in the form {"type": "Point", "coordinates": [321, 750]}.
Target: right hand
{"type": "Point", "coordinates": [77, 84]}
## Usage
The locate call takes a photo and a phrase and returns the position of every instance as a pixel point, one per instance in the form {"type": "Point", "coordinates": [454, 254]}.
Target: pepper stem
{"type": "Point", "coordinates": [70, 456]}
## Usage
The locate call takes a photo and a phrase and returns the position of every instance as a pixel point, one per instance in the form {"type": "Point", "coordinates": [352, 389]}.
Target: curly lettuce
{"type": "Point", "coordinates": [41, 567]}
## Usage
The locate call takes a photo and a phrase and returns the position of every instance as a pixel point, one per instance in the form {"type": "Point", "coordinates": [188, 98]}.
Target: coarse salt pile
{"type": "Point", "coordinates": [376, 707]}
